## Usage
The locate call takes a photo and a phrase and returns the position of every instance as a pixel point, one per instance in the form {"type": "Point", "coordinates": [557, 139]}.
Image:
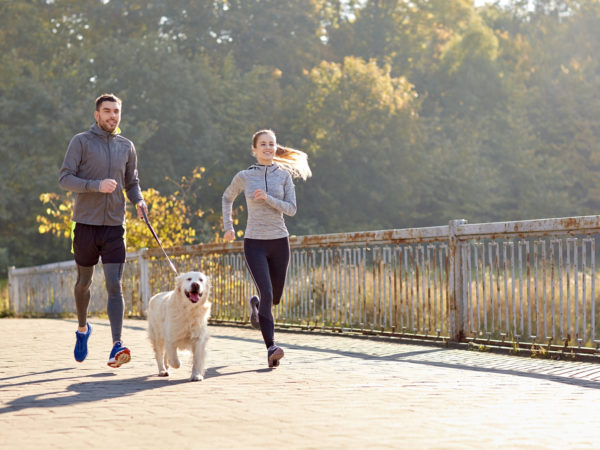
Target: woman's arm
{"type": "Point", "coordinates": [232, 191]}
{"type": "Point", "coordinates": [288, 205]}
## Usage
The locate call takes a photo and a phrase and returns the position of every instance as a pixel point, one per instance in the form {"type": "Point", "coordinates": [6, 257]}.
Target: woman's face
{"type": "Point", "coordinates": [265, 148]}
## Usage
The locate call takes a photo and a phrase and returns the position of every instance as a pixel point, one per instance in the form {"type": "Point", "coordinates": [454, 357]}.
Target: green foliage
{"type": "Point", "coordinates": [5, 310]}
{"type": "Point", "coordinates": [168, 216]}
{"type": "Point", "coordinates": [171, 216]}
{"type": "Point", "coordinates": [357, 115]}
{"type": "Point", "coordinates": [412, 112]}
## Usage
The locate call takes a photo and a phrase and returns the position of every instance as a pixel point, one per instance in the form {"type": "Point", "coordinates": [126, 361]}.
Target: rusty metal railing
{"type": "Point", "coordinates": [531, 281]}
{"type": "Point", "coordinates": [525, 282]}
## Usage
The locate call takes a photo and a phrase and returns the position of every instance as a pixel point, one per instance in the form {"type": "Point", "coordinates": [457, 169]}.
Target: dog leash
{"type": "Point", "coordinates": [158, 241]}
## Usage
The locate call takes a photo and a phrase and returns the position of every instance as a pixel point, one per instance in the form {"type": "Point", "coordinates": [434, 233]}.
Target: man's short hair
{"type": "Point", "coordinates": [107, 98]}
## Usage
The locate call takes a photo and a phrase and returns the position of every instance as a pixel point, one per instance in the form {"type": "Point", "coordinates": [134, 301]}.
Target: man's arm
{"type": "Point", "coordinates": [68, 178]}
{"type": "Point", "coordinates": [132, 184]}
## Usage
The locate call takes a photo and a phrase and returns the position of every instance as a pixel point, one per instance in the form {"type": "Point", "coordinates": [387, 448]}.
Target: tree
{"type": "Point", "coordinates": [171, 216]}
{"type": "Point", "coordinates": [357, 126]}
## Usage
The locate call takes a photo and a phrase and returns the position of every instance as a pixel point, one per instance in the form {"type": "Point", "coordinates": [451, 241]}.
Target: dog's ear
{"type": "Point", "coordinates": [179, 280]}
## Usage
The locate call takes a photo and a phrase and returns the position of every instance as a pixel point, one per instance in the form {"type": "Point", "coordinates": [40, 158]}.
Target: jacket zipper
{"type": "Point", "coordinates": [266, 185]}
{"type": "Point", "coordinates": [108, 176]}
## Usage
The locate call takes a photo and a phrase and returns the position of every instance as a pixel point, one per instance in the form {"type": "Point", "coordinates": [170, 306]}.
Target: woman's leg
{"type": "Point", "coordinates": [255, 253]}
{"type": "Point", "coordinates": [279, 258]}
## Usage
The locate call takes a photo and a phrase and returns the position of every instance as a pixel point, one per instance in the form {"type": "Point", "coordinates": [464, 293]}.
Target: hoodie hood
{"type": "Point", "coordinates": [270, 168]}
{"type": "Point", "coordinates": [100, 132]}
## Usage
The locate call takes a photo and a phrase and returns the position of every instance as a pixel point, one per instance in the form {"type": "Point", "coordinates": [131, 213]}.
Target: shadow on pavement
{"type": "Point", "coordinates": [50, 380]}
{"type": "Point", "coordinates": [519, 373]}
{"type": "Point", "coordinates": [92, 391]}
{"type": "Point", "coordinates": [476, 366]}
{"type": "Point", "coordinates": [126, 326]}
{"type": "Point", "coordinates": [88, 392]}
{"type": "Point", "coordinates": [213, 372]}
{"type": "Point", "coordinates": [28, 374]}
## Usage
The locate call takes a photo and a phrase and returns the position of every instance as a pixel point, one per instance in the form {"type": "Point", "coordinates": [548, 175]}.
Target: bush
{"type": "Point", "coordinates": [5, 310]}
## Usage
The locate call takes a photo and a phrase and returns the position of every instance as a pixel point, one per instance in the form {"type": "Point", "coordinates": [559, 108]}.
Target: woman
{"type": "Point", "coordinates": [270, 193]}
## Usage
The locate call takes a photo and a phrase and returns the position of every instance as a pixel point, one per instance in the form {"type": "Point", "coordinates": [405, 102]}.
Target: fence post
{"type": "Point", "coordinates": [455, 283]}
{"type": "Point", "coordinates": [13, 290]}
{"type": "Point", "coordinates": [144, 281]}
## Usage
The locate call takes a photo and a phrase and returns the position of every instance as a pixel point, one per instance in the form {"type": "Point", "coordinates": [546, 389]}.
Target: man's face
{"type": "Point", "coordinates": [108, 116]}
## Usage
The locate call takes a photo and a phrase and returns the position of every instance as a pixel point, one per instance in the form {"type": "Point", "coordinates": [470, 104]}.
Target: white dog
{"type": "Point", "coordinates": [178, 320]}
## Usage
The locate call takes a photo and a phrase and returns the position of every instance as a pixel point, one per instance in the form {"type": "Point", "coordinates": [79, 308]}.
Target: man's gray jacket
{"type": "Point", "coordinates": [91, 157]}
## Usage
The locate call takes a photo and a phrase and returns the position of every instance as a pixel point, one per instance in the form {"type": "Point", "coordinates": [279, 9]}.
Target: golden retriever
{"type": "Point", "coordinates": [178, 319]}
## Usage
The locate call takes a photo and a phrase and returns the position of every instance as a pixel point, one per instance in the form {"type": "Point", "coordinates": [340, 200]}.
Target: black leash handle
{"type": "Point", "coordinates": [158, 241]}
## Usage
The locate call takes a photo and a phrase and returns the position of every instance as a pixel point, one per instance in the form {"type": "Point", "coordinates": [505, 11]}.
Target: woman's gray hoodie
{"type": "Point", "coordinates": [265, 217]}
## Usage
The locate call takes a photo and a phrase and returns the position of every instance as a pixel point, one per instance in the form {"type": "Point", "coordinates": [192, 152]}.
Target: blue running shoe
{"type": "Point", "coordinates": [81, 340]}
{"type": "Point", "coordinates": [274, 353]}
{"type": "Point", "coordinates": [119, 355]}
{"type": "Point", "coordinates": [254, 303]}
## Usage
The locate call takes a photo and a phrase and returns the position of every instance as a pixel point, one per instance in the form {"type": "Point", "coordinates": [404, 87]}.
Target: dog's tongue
{"type": "Point", "coordinates": [194, 297]}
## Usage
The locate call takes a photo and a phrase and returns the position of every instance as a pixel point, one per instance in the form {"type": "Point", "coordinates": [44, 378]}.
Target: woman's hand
{"type": "Point", "coordinates": [259, 194]}
{"type": "Point", "coordinates": [229, 236]}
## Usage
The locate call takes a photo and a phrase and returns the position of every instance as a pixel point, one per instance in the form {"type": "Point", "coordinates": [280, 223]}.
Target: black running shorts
{"type": "Point", "coordinates": [90, 242]}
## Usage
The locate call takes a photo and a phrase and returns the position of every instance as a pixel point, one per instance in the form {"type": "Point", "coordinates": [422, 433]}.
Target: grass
{"type": "Point", "coordinates": [537, 314]}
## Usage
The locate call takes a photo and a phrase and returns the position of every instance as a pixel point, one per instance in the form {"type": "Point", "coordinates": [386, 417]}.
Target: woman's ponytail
{"type": "Point", "coordinates": [293, 161]}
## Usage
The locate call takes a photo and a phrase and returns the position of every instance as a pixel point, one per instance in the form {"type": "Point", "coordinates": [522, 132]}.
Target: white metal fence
{"type": "Point", "coordinates": [526, 282]}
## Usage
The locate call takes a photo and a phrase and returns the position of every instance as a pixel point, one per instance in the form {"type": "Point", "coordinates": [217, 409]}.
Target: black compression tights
{"type": "Point", "coordinates": [267, 261]}
{"type": "Point", "coordinates": [115, 305]}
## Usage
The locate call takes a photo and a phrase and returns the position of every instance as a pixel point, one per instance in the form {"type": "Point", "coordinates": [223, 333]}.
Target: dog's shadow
{"type": "Point", "coordinates": [105, 389]}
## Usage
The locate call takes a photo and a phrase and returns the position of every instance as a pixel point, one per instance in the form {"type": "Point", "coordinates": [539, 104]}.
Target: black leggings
{"type": "Point", "coordinates": [267, 261]}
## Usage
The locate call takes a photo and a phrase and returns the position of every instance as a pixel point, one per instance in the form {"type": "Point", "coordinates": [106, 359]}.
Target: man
{"type": "Point", "coordinates": [99, 164]}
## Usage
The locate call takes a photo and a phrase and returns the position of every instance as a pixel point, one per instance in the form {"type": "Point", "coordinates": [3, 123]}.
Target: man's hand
{"type": "Point", "coordinates": [141, 208]}
{"type": "Point", "coordinates": [229, 236]}
{"type": "Point", "coordinates": [108, 185]}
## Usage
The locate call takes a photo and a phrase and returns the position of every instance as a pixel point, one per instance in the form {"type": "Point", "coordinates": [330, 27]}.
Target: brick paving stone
{"type": "Point", "coordinates": [331, 391]}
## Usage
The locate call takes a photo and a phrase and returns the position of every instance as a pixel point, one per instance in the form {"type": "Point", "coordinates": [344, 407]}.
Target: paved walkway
{"type": "Point", "coordinates": [329, 392]}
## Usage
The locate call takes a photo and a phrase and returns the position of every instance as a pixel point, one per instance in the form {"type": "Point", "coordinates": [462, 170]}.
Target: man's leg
{"type": "Point", "coordinates": [113, 273]}
{"type": "Point", "coordinates": [113, 259]}
{"type": "Point", "coordinates": [82, 295]}
{"type": "Point", "coordinates": [82, 302]}
{"type": "Point", "coordinates": [86, 257]}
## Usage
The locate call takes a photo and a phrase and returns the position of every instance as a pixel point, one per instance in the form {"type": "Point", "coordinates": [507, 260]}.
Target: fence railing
{"type": "Point", "coordinates": [525, 281]}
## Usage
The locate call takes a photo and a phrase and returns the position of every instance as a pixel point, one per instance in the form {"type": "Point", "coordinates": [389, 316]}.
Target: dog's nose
{"type": "Point", "coordinates": [195, 287]}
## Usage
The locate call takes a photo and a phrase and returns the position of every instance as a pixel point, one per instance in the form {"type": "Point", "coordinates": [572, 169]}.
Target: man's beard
{"type": "Point", "coordinates": [107, 127]}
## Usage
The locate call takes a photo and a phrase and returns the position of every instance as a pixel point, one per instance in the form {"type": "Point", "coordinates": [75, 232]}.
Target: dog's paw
{"type": "Point", "coordinates": [163, 373]}
{"type": "Point", "coordinates": [196, 377]}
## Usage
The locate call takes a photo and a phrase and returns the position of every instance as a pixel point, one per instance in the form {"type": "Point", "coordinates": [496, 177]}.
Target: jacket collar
{"type": "Point", "coordinates": [100, 132]}
{"type": "Point", "coordinates": [273, 167]}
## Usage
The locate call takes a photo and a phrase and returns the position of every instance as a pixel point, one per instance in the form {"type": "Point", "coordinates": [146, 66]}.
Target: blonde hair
{"type": "Point", "coordinates": [293, 161]}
